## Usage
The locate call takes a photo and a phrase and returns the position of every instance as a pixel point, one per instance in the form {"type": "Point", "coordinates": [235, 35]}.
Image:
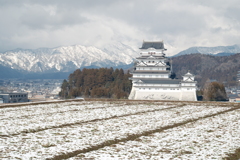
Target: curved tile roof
{"type": "Point", "coordinates": [152, 44]}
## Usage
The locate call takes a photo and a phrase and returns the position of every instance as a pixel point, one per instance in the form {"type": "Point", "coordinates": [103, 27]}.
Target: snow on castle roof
{"type": "Point", "coordinates": [188, 74]}
{"type": "Point", "coordinates": [152, 44]}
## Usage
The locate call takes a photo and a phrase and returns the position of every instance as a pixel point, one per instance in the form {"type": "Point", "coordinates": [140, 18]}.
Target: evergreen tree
{"type": "Point", "coordinates": [98, 83]}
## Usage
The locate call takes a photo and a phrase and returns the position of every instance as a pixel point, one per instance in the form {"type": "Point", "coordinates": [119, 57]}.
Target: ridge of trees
{"type": "Point", "coordinates": [97, 83]}
{"type": "Point", "coordinates": [220, 68]}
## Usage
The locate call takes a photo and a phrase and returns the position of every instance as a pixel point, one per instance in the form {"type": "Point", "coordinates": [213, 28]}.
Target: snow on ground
{"type": "Point", "coordinates": [210, 138]}
{"type": "Point", "coordinates": [46, 130]}
{"type": "Point", "coordinates": [33, 118]}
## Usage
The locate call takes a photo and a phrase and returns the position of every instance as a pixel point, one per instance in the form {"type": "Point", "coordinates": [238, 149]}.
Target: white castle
{"type": "Point", "coordinates": [153, 78]}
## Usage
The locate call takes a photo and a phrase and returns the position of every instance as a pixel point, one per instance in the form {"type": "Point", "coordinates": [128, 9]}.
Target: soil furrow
{"type": "Point", "coordinates": [134, 136]}
{"type": "Point", "coordinates": [36, 103]}
{"type": "Point", "coordinates": [89, 121]}
{"type": "Point", "coordinates": [52, 113]}
{"type": "Point", "coordinates": [233, 156]}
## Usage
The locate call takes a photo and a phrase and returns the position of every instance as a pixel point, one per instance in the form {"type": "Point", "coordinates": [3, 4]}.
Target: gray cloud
{"type": "Point", "coordinates": [45, 17]}
{"type": "Point", "coordinates": [182, 23]}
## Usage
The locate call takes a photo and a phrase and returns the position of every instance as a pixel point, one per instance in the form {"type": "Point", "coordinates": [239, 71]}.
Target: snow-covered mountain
{"type": "Point", "coordinates": [220, 50]}
{"type": "Point", "coordinates": [67, 58]}
{"type": "Point", "coordinates": [63, 60]}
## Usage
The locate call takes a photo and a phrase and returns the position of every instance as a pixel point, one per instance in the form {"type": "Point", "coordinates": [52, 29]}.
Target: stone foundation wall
{"type": "Point", "coordinates": [163, 95]}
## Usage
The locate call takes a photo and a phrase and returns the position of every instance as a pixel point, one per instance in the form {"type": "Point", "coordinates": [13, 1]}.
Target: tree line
{"type": "Point", "coordinates": [110, 83]}
{"type": "Point", "coordinates": [97, 83]}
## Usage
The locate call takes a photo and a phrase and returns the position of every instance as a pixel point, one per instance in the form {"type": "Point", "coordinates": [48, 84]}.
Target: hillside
{"type": "Point", "coordinates": [221, 68]}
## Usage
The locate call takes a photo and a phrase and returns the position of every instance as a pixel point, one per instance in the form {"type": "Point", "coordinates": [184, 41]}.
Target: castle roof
{"type": "Point", "coordinates": [153, 44]}
{"type": "Point", "coordinates": [188, 74]}
{"type": "Point", "coordinates": [151, 57]}
{"type": "Point", "coordinates": [150, 72]}
{"type": "Point", "coordinates": [161, 81]}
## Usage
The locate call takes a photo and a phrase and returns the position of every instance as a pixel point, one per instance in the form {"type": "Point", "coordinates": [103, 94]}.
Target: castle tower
{"type": "Point", "coordinates": [188, 87]}
{"type": "Point", "coordinates": [152, 76]}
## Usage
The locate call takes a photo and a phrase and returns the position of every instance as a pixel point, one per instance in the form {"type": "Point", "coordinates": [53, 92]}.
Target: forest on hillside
{"type": "Point", "coordinates": [220, 68]}
{"type": "Point", "coordinates": [97, 83]}
{"type": "Point", "coordinates": [110, 83]}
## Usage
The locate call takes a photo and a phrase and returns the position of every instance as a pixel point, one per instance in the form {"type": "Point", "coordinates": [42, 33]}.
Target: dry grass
{"type": "Point", "coordinates": [8, 105]}
{"type": "Point", "coordinates": [126, 102]}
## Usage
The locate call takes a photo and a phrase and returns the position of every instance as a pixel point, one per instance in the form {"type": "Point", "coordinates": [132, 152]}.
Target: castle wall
{"type": "Point", "coordinates": [163, 95]}
{"type": "Point", "coordinates": [188, 96]}
{"type": "Point", "coordinates": [152, 77]}
{"type": "Point", "coordinates": [157, 95]}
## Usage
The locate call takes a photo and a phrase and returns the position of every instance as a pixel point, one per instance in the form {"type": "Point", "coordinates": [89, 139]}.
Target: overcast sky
{"type": "Point", "coordinates": [32, 24]}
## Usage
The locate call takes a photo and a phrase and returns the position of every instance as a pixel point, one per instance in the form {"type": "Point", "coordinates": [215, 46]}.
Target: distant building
{"type": "Point", "coordinates": [238, 100]}
{"type": "Point", "coordinates": [14, 97]}
{"type": "Point", "coordinates": [238, 76]}
{"type": "Point", "coordinates": [234, 98]}
{"type": "Point", "coordinates": [153, 78]}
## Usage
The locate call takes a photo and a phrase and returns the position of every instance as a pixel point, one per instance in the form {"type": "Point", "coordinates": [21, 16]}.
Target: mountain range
{"type": "Point", "coordinates": [216, 51]}
{"type": "Point", "coordinates": [60, 61]}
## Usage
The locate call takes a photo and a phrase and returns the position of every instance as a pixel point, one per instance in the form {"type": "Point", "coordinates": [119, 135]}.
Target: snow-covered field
{"type": "Point", "coordinates": [120, 130]}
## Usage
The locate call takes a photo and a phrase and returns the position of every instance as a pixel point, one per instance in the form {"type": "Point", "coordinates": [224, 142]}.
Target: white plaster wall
{"type": "Point", "coordinates": [132, 93]}
{"type": "Point", "coordinates": [162, 95]}
{"type": "Point", "coordinates": [151, 95]}
{"type": "Point", "coordinates": [188, 96]}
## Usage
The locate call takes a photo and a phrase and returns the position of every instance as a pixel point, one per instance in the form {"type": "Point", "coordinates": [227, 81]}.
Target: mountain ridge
{"type": "Point", "coordinates": [66, 58]}
{"type": "Point", "coordinates": [224, 50]}
{"type": "Point", "coordinates": [47, 62]}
